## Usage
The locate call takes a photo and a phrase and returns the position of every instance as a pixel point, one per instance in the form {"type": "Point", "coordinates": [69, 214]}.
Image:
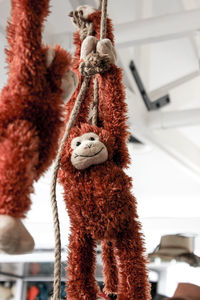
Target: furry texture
{"type": "Point", "coordinates": [30, 106]}
{"type": "Point", "coordinates": [99, 199]}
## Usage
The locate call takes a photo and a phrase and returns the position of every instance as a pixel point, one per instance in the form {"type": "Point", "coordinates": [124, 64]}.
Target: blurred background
{"type": "Point", "coordinates": [158, 47]}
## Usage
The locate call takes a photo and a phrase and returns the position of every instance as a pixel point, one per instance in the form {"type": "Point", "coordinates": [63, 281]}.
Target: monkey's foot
{"type": "Point", "coordinates": [105, 47]}
{"type": "Point", "coordinates": [88, 46]}
{"type": "Point", "coordinates": [97, 56]}
{"type": "Point", "coordinates": [14, 237]}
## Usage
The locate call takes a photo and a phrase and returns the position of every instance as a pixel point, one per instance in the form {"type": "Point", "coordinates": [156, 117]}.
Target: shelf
{"type": "Point", "coordinates": [46, 256]}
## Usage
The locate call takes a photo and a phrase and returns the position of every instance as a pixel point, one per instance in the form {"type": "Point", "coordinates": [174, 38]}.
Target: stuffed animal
{"type": "Point", "coordinates": [97, 192]}
{"type": "Point", "coordinates": [31, 113]}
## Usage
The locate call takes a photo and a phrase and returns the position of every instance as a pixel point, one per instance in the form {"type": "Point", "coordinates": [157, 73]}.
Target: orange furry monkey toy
{"type": "Point", "coordinates": [97, 191]}
{"type": "Point", "coordinates": [31, 103]}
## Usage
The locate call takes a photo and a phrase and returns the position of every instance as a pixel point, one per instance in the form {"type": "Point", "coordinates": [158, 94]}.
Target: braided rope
{"type": "Point", "coordinates": [103, 19]}
{"type": "Point", "coordinates": [100, 4]}
{"type": "Point", "coordinates": [103, 7]}
{"type": "Point", "coordinates": [95, 102]}
{"type": "Point", "coordinates": [70, 124]}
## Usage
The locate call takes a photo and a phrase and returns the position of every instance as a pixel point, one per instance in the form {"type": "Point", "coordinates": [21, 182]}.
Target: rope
{"type": "Point", "coordinates": [103, 19]}
{"type": "Point", "coordinates": [70, 124]}
{"type": "Point", "coordinates": [100, 4]}
{"type": "Point", "coordinates": [103, 6]}
{"type": "Point", "coordinates": [95, 102]}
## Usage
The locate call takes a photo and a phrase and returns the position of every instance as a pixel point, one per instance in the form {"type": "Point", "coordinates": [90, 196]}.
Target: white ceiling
{"type": "Point", "coordinates": [166, 173]}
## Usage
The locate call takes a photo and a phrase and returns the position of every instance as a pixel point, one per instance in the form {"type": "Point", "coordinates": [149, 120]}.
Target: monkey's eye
{"type": "Point", "coordinates": [78, 144]}
{"type": "Point", "coordinates": [91, 139]}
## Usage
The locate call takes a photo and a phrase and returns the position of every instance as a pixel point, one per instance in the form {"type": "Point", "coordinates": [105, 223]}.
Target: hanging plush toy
{"type": "Point", "coordinates": [97, 192]}
{"type": "Point", "coordinates": [31, 103]}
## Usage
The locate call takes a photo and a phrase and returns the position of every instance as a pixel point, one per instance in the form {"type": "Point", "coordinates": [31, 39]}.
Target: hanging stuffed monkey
{"type": "Point", "coordinates": [97, 192]}
{"type": "Point", "coordinates": [31, 106]}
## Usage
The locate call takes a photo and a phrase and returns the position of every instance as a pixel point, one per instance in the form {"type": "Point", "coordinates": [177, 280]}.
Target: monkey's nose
{"type": "Point", "coordinates": [88, 146]}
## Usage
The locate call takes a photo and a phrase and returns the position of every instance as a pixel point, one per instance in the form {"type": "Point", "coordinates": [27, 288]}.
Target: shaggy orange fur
{"type": "Point", "coordinates": [30, 106]}
{"type": "Point", "coordinates": [99, 200]}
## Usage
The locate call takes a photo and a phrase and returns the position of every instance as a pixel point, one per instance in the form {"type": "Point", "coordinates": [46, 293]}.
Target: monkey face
{"type": "Point", "coordinates": [88, 150]}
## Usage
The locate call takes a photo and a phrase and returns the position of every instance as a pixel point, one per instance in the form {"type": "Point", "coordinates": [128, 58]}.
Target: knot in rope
{"type": "Point", "coordinates": [94, 64]}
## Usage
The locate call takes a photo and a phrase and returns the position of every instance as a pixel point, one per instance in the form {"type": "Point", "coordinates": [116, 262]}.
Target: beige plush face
{"type": "Point", "coordinates": [88, 151]}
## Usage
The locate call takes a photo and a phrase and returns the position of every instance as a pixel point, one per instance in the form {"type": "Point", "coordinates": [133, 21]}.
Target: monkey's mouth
{"type": "Point", "coordinates": [76, 155]}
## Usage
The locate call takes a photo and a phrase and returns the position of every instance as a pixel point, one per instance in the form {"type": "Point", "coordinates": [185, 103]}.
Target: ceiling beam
{"type": "Point", "coordinates": [157, 29]}
{"type": "Point", "coordinates": [170, 141]}
{"type": "Point", "coordinates": [178, 147]}
{"type": "Point", "coordinates": [153, 30]}
{"type": "Point", "coordinates": [174, 119]}
{"type": "Point", "coordinates": [195, 38]}
{"type": "Point", "coordinates": [172, 85]}
{"type": "Point", "coordinates": [142, 54]}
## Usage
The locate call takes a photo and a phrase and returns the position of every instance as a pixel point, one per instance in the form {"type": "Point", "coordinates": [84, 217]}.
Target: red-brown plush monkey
{"type": "Point", "coordinates": [97, 192]}
{"type": "Point", "coordinates": [30, 117]}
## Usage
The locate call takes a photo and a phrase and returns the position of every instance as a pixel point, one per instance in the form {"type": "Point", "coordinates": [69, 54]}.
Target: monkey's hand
{"type": "Point", "coordinates": [69, 80]}
{"type": "Point", "coordinates": [97, 56]}
{"type": "Point", "coordinates": [105, 48]}
{"type": "Point", "coordinates": [81, 14]}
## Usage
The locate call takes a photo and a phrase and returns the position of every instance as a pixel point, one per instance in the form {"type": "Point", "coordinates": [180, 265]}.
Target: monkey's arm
{"type": "Point", "coordinates": [113, 111]}
{"type": "Point", "coordinates": [30, 118]}
{"type": "Point", "coordinates": [84, 110]}
{"type": "Point", "coordinates": [95, 18]}
{"type": "Point", "coordinates": [86, 13]}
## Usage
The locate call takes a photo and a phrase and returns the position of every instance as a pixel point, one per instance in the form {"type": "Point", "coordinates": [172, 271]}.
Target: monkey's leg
{"type": "Point", "coordinates": [81, 284]}
{"type": "Point", "coordinates": [18, 158]}
{"type": "Point", "coordinates": [110, 270]}
{"type": "Point", "coordinates": [133, 278]}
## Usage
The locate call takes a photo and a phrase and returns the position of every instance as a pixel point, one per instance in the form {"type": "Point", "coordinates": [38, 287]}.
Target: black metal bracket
{"type": "Point", "coordinates": [150, 105]}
